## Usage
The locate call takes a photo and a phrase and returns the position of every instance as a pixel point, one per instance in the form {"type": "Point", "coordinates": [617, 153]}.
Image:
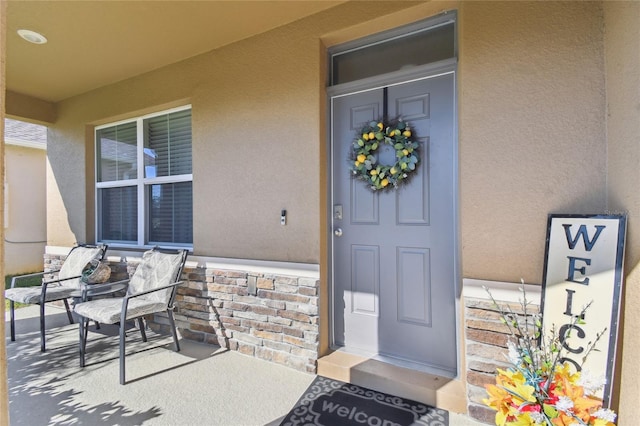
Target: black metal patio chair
{"type": "Point", "coordinates": [151, 289]}
{"type": "Point", "coordinates": [53, 290]}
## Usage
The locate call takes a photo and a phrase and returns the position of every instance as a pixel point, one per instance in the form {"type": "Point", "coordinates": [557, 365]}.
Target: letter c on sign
{"type": "Point", "coordinates": [564, 331]}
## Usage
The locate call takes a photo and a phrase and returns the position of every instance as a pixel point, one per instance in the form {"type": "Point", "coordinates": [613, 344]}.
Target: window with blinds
{"type": "Point", "coordinates": [144, 180]}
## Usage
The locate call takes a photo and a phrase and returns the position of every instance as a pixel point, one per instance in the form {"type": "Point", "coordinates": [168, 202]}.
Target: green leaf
{"type": "Point", "coordinates": [379, 136]}
{"type": "Point", "coordinates": [413, 159]}
{"type": "Point", "coordinates": [551, 412]}
{"type": "Point", "coordinates": [360, 142]}
{"type": "Point", "coordinates": [412, 166]}
{"type": "Point", "coordinates": [374, 146]}
{"type": "Point", "coordinates": [398, 146]}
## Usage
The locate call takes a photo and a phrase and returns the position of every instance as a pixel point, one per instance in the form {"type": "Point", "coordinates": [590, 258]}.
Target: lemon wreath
{"type": "Point", "coordinates": [365, 164]}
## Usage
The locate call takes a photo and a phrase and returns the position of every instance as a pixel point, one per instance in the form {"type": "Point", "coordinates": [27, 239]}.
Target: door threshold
{"type": "Point", "coordinates": [439, 391]}
{"type": "Point", "coordinates": [399, 362]}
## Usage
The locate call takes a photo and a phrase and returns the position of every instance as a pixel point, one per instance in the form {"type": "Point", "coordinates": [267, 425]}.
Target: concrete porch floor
{"type": "Point", "coordinates": [201, 385]}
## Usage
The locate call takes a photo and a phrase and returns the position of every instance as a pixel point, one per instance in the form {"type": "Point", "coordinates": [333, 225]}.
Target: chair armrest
{"type": "Point", "coordinates": [89, 290]}
{"type": "Point", "coordinates": [15, 279]}
{"type": "Point", "coordinates": [59, 280]}
{"type": "Point", "coordinates": [142, 293]}
{"type": "Point", "coordinates": [44, 283]}
{"type": "Point", "coordinates": [125, 300]}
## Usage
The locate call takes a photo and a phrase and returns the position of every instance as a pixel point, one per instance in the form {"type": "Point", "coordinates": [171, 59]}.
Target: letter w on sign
{"type": "Point", "coordinates": [582, 232]}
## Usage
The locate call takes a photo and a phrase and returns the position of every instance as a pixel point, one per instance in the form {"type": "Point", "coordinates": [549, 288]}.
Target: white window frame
{"type": "Point", "coordinates": [140, 182]}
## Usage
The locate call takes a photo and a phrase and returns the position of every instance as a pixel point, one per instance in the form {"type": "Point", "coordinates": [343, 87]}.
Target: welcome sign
{"type": "Point", "coordinates": [583, 265]}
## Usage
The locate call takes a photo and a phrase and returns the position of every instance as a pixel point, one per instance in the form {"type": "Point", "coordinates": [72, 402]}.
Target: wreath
{"type": "Point", "coordinates": [364, 163]}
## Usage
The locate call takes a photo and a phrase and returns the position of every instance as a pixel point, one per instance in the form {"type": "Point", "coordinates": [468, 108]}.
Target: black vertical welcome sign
{"type": "Point", "coordinates": [583, 264]}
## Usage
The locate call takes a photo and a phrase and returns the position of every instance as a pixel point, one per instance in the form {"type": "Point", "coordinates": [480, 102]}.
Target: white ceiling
{"type": "Point", "coordinates": [95, 43]}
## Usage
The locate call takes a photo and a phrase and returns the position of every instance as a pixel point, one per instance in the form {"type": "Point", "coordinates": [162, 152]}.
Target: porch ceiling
{"type": "Point", "coordinates": [95, 43]}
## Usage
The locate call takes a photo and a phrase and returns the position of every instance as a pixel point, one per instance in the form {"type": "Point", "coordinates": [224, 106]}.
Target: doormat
{"type": "Point", "coordinates": [328, 402]}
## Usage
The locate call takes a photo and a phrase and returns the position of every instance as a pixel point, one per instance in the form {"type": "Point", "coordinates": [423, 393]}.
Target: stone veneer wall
{"type": "Point", "coordinates": [486, 349]}
{"type": "Point", "coordinates": [271, 317]}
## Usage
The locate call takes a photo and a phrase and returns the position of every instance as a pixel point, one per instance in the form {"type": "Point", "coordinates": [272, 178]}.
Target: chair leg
{"type": "Point", "coordinates": [42, 344]}
{"type": "Point", "coordinates": [83, 340]}
{"type": "Point", "coordinates": [173, 329]}
{"type": "Point", "coordinates": [123, 325]}
{"type": "Point", "coordinates": [66, 305]}
{"type": "Point", "coordinates": [86, 334]}
{"type": "Point", "coordinates": [13, 320]}
{"type": "Point", "coordinates": [142, 331]}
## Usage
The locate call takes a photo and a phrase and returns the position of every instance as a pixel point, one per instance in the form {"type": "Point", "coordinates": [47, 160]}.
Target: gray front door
{"type": "Point", "coordinates": [394, 261]}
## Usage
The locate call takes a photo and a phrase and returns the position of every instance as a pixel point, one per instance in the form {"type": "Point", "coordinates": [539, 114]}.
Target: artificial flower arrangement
{"type": "Point", "coordinates": [364, 164]}
{"type": "Point", "coordinates": [538, 388]}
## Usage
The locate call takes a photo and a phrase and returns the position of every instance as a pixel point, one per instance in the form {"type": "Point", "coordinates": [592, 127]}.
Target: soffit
{"type": "Point", "coordinates": [95, 43]}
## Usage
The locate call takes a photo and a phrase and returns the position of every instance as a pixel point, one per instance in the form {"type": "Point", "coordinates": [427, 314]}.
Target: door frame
{"type": "Point", "coordinates": [428, 71]}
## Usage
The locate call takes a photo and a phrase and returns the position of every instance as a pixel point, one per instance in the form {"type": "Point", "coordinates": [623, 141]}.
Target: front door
{"type": "Point", "coordinates": [394, 251]}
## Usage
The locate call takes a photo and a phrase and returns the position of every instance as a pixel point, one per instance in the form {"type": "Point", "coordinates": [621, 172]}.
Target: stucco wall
{"type": "Point", "coordinates": [622, 49]}
{"type": "Point", "coordinates": [532, 136]}
{"type": "Point", "coordinates": [531, 103]}
{"type": "Point", "coordinates": [25, 229]}
{"type": "Point", "coordinates": [256, 126]}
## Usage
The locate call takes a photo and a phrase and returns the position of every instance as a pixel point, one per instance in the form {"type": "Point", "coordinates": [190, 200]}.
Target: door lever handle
{"type": "Point", "coordinates": [338, 232]}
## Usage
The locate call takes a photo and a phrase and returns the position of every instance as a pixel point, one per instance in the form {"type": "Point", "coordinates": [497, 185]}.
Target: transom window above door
{"type": "Point", "coordinates": [421, 43]}
{"type": "Point", "coordinates": [144, 178]}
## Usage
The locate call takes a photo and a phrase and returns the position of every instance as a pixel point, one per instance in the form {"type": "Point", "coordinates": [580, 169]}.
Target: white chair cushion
{"type": "Point", "coordinates": [155, 270]}
{"type": "Point", "coordinates": [75, 263]}
{"type": "Point", "coordinates": [72, 267]}
{"type": "Point", "coordinates": [107, 311]}
{"type": "Point", "coordinates": [31, 295]}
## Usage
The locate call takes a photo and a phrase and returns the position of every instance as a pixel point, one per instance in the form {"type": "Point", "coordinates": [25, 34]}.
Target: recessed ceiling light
{"type": "Point", "coordinates": [32, 36]}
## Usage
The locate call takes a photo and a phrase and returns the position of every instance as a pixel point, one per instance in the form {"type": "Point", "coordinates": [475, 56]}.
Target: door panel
{"type": "Point", "coordinates": [414, 286]}
{"type": "Point", "coordinates": [412, 209]}
{"type": "Point", "coordinates": [394, 263]}
{"type": "Point", "coordinates": [365, 280]}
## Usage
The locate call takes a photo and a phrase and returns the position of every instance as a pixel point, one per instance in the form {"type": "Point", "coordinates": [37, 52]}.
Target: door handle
{"type": "Point", "coordinates": [338, 232]}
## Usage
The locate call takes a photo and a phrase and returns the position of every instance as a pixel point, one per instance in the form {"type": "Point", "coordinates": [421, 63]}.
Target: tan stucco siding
{"type": "Point", "coordinates": [622, 49]}
{"type": "Point", "coordinates": [258, 151]}
{"type": "Point", "coordinates": [25, 199]}
{"type": "Point", "coordinates": [29, 109]}
{"type": "Point", "coordinates": [4, 387]}
{"type": "Point", "coordinates": [532, 138]}
{"type": "Point", "coordinates": [256, 108]}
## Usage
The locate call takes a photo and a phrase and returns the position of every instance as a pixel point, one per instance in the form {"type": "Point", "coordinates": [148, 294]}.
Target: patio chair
{"type": "Point", "coordinates": [151, 289]}
{"type": "Point", "coordinates": [53, 290]}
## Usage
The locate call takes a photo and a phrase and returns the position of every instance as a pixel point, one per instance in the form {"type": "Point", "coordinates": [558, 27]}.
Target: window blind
{"type": "Point", "coordinates": [171, 213]}
{"type": "Point", "coordinates": [119, 218]}
{"type": "Point", "coordinates": [168, 144]}
{"type": "Point", "coordinates": [117, 155]}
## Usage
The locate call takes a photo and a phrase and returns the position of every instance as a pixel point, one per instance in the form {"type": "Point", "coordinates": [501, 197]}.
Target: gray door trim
{"type": "Point", "coordinates": [419, 73]}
